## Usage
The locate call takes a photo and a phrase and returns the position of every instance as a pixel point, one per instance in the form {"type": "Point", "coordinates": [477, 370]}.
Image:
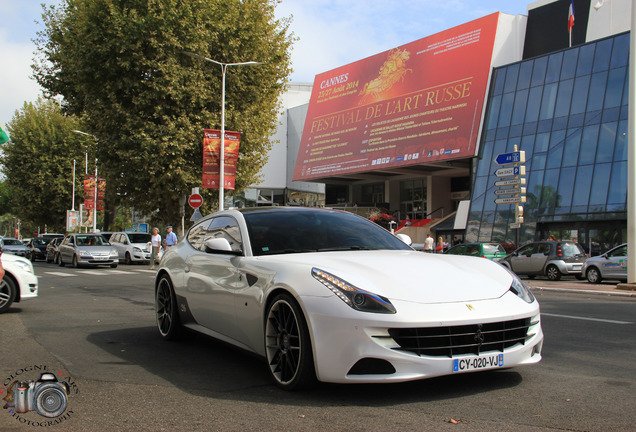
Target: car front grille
{"type": "Point", "coordinates": [450, 341]}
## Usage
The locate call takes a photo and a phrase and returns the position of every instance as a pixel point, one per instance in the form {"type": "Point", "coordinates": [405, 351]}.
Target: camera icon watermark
{"type": "Point", "coordinates": [46, 395]}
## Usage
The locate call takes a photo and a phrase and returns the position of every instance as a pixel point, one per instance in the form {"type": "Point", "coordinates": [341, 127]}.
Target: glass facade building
{"type": "Point", "coordinates": [568, 112]}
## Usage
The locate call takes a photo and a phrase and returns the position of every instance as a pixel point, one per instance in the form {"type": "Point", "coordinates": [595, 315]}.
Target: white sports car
{"type": "Point", "coordinates": [328, 295]}
{"type": "Point", "coordinates": [19, 282]}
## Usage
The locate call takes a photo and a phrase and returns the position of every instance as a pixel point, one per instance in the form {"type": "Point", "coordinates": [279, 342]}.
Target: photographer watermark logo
{"type": "Point", "coordinates": [46, 394]}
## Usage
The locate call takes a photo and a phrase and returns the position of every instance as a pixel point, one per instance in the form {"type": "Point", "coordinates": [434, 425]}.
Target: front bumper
{"type": "Point", "coordinates": [95, 260]}
{"type": "Point", "coordinates": [344, 340]}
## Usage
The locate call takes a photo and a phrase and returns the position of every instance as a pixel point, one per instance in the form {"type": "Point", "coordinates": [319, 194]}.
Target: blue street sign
{"type": "Point", "coordinates": [510, 158]}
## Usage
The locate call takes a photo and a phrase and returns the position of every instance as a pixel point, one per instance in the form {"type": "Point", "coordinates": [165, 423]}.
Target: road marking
{"type": "Point", "coordinates": [147, 271]}
{"type": "Point", "coordinates": [587, 319]}
{"type": "Point", "coordinates": [60, 274]}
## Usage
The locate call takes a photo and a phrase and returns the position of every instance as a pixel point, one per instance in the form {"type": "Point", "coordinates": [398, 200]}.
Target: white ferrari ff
{"type": "Point", "coordinates": [328, 295]}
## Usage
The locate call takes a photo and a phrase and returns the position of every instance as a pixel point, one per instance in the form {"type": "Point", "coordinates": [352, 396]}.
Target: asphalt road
{"type": "Point", "coordinates": [95, 328]}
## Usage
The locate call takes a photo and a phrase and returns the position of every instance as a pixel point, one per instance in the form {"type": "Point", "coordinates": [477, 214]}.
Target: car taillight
{"type": "Point", "coordinates": [559, 251]}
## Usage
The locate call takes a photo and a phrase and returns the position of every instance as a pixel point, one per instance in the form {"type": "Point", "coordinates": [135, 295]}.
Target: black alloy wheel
{"type": "Point", "coordinates": [8, 291]}
{"type": "Point", "coordinates": [287, 344]}
{"type": "Point", "coordinates": [166, 310]}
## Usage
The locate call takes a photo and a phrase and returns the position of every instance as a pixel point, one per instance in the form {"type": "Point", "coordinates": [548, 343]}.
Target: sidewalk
{"type": "Point", "coordinates": [567, 285]}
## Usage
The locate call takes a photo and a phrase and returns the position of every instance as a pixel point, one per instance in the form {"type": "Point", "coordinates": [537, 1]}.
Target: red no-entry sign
{"type": "Point", "coordinates": [195, 200]}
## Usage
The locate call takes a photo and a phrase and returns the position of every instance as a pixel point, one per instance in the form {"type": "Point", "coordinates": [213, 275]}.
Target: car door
{"type": "Point", "coordinates": [615, 266]}
{"type": "Point", "coordinates": [66, 249]}
{"type": "Point", "coordinates": [539, 257]}
{"type": "Point", "coordinates": [212, 279]}
{"type": "Point", "coordinates": [520, 261]}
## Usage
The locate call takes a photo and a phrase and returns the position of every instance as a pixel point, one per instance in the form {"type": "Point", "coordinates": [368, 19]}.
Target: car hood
{"type": "Point", "coordinates": [15, 247]}
{"type": "Point", "coordinates": [409, 275]}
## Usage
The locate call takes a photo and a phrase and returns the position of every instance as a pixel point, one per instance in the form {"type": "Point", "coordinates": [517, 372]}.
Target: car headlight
{"type": "Point", "coordinates": [136, 249]}
{"type": "Point", "coordinates": [356, 298]}
{"type": "Point", "coordinates": [24, 265]}
{"type": "Point", "coordinates": [519, 288]}
{"type": "Point", "coordinates": [114, 252]}
{"type": "Point", "coordinates": [84, 253]}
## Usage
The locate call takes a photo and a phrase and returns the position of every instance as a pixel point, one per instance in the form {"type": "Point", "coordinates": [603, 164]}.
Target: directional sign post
{"type": "Point", "coordinates": [515, 157]}
{"type": "Point", "coordinates": [516, 172]}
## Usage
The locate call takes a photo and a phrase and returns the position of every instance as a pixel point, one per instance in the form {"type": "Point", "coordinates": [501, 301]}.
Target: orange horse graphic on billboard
{"type": "Point", "coordinates": [392, 71]}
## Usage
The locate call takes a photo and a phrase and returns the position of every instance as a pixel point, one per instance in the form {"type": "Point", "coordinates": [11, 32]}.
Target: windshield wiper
{"type": "Point", "coordinates": [345, 248]}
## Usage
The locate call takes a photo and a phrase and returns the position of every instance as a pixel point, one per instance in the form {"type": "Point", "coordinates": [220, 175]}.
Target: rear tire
{"type": "Point", "coordinates": [593, 275]}
{"type": "Point", "coordinates": [8, 291]}
{"type": "Point", "coordinates": [167, 315]}
{"type": "Point", "coordinates": [553, 273]}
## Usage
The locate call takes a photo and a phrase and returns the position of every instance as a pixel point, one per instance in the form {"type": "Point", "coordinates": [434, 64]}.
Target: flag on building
{"type": "Point", "coordinates": [571, 20]}
{"type": "Point", "coordinates": [3, 136]}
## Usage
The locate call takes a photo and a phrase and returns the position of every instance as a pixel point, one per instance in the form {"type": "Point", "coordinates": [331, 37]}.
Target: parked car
{"type": "Point", "coordinates": [328, 295]}
{"type": "Point", "coordinates": [553, 259]}
{"type": "Point", "coordinates": [19, 282]}
{"type": "Point", "coordinates": [492, 251]}
{"type": "Point", "coordinates": [611, 265]}
{"type": "Point", "coordinates": [86, 249]}
{"type": "Point", "coordinates": [132, 246]}
{"type": "Point", "coordinates": [52, 249]}
{"type": "Point", "coordinates": [37, 248]}
{"type": "Point", "coordinates": [13, 246]}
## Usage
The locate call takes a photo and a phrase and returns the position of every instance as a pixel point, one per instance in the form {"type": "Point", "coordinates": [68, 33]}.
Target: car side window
{"type": "Point", "coordinates": [542, 248]}
{"type": "Point", "coordinates": [225, 227]}
{"type": "Point", "coordinates": [526, 250]}
{"type": "Point", "coordinates": [472, 250]}
{"type": "Point", "coordinates": [621, 251]}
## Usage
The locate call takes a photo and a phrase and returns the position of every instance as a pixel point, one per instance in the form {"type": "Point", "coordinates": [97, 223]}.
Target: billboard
{"type": "Point", "coordinates": [420, 102]}
{"type": "Point", "coordinates": [211, 156]}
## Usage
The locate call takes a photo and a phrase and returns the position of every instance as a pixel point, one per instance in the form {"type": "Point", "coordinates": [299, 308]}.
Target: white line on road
{"type": "Point", "coordinates": [587, 319]}
{"type": "Point", "coordinates": [60, 274]}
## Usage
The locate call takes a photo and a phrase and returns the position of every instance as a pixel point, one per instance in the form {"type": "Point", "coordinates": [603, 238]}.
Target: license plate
{"type": "Point", "coordinates": [101, 258]}
{"type": "Point", "coordinates": [476, 363]}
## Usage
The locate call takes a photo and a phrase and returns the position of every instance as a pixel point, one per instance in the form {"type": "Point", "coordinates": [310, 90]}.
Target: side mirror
{"type": "Point", "coordinates": [405, 239]}
{"type": "Point", "coordinates": [219, 245]}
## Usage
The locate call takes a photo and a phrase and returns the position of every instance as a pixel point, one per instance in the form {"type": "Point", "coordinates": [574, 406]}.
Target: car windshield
{"type": "Point", "coordinates": [139, 237]}
{"type": "Point", "coordinates": [93, 240]}
{"type": "Point", "coordinates": [12, 242]}
{"type": "Point", "coordinates": [290, 231]}
{"type": "Point", "coordinates": [491, 248]}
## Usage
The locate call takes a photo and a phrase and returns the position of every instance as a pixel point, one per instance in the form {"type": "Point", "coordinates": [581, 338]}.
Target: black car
{"type": "Point", "coordinates": [52, 249]}
{"type": "Point", "coordinates": [37, 248]}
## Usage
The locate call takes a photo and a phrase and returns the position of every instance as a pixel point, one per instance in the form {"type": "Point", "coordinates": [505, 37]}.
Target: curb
{"type": "Point", "coordinates": [581, 291]}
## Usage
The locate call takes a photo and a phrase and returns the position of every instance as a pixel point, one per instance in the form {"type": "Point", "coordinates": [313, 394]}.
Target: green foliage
{"type": "Point", "coordinates": [121, 64]}
{"type": "Point", "coordinates": [38, 164]}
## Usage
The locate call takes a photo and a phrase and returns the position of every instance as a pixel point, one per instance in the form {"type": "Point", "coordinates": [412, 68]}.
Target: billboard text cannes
{"type": "Point", "coordinates": [417, 103]}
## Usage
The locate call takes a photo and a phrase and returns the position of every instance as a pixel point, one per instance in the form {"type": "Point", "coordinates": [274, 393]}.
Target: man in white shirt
{"type": "Point", "coordinates": [428, 244]}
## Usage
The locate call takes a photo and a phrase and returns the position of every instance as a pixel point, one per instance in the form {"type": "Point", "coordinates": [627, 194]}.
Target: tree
{"type": "Point", "coordinates": [122, 65]}
{"type": "Point", "coordinates": [38, 163]}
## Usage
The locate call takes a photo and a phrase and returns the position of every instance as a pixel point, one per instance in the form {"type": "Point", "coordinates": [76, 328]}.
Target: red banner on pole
{"type": "Point", "coordinates": [211, 150]}
{"type": "Point", "coordinates": [89, 193]}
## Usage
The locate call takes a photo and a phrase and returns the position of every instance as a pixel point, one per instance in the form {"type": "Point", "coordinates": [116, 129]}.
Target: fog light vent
{"type": "Point", "coordinates": [372, 366]}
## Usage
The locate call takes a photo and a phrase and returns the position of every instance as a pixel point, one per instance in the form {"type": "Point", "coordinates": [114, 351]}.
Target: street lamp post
{"type": "Point", "coordinates": [222, 150]}
{"type": "Point", "coordinates": [96, 182]}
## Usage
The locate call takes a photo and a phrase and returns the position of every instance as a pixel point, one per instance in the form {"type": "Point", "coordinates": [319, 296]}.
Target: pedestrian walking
{"type": "Point", "coordinates": [440, 245]}
{"type": "Point", "coordinates": [171, 238]}
{"type": "Point", "coordinates": [155, 244]}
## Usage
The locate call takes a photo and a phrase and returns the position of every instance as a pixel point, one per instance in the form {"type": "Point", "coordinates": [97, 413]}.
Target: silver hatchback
{"type": "Point", "coordinates": [611, 265]}
{"type": "Point", "coordinates": [547, 258]}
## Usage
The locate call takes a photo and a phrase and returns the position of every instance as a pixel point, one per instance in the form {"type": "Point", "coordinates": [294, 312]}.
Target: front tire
{"type": "Point", "coordinates": [60, 262]}
{"type": "Point", "coordinates": [8, 291]}
{"type": "Point", "coordinates": [167, 314]}
{"type": "Point", "coordinates": [74, 261]}
{"type": "Point", "coordinates": [553, 273]}
{"type": "Point", "coordinates": [593, 275]}
{"type": "Point", "coordinates": [128, 259]}
{"type": "Point", "coordinates": [288, 345]}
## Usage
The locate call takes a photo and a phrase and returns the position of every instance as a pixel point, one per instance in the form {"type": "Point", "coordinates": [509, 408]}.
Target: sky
{"type": "Point", "coordinates": [330, 33]}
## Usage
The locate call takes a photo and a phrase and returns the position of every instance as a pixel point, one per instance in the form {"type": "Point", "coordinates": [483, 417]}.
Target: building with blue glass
{"type": "Point", "coordinates": [568, 111]}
